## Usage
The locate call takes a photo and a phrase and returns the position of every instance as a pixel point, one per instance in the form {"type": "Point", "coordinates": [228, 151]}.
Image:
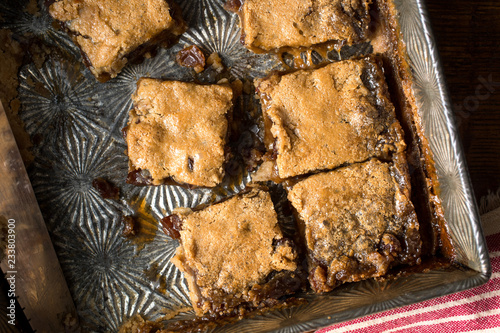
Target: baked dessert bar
{"type": "Point", "coordinates": [356, 222]}
{"type": "Point", "coordinates": [323, 118]}
{"type": "Point", "coordinates": [272, 24]}
{"type": "Point", "coordinates": [109, 32]}
{"type": "Point", "coordinates": [234, 255]}
{"type": "Point", "coordinates": [177, 133]}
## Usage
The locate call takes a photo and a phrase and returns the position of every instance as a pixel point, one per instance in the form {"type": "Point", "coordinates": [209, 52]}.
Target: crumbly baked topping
{"type": "Point", "coordinates": [107, 30]}
{"type": "Point", "coordinates": [178, 130]}
{"type": "Point", "coordinates": [323, 118]}
{"type": "Point", "coordinates": [137, 324]}
{"type": "Point", "coordinates": [356, 222]}
{"type": "Point", "coordinates": [230, 247]}
{"type": "Point", "coordinates": [272, 24]}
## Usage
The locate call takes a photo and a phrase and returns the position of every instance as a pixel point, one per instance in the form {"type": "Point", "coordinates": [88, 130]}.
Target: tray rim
{"type": "Point", "coordinates": [480, 240]}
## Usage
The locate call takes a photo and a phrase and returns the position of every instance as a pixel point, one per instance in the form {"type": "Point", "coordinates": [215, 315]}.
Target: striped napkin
{"type": "Point", "coordinates": [474, 310]}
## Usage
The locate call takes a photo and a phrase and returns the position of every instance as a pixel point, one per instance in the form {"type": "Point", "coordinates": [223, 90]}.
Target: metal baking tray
{"type": "Point", "coordinates": [76, 125]}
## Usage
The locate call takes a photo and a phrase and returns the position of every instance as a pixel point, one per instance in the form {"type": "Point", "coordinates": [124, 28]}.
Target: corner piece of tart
{"type": "Point", "coordinates": [234, 256]}
{"type": "Point", "coordinates": [356, 222]}
{"type": "Point", "coordinates": [110, 33]}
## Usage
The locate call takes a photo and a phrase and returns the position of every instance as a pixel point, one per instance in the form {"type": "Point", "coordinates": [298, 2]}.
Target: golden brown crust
{"type": "Point", "coordinates": [137, 324]}
{"type": "Point", "coordinates": [231, 247]}
{"type": "Point", "coordinates": [178, 130]}
{"type": "Point", "coordinates": [107, 30]}
{"type": "Point", "coordinates": [273, 24]}
{"type": "Point", "coordinates": [323, 118]}
{"type": "Point", "coordinates": [356, 222]}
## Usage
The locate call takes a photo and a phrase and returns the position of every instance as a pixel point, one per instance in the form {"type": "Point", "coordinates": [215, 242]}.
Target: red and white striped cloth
{"type": "Point", "coordinates": [473, 310]}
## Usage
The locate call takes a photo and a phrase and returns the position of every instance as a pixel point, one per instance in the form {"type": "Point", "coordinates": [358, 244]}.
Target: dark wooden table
{"type": "Point", "coordinates": [468, 38]}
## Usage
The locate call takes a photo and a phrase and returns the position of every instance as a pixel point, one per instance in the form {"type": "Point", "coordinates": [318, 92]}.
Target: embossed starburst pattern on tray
{"type": "Point", "coordinates": [75, 124]}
